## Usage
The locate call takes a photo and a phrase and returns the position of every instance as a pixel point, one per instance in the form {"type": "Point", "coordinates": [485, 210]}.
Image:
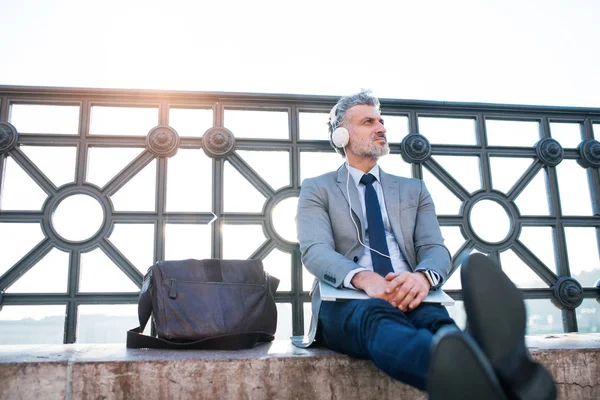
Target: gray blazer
{"type": "Point", "coordinates": [327, 236]}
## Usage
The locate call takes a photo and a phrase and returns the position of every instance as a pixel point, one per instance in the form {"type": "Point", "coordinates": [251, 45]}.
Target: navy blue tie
{"type": "Point", "coordinates": [382, 265]}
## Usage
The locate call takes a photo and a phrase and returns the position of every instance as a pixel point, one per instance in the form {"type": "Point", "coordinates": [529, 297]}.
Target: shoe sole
{"type": "Point", "coordinates": [459, 370]}
{"type": "Point", "coordinates": [497, 320]}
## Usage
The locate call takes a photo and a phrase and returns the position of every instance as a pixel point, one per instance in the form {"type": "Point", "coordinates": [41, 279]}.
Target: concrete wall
{"type": "Point", "coordinates": [270, 371]}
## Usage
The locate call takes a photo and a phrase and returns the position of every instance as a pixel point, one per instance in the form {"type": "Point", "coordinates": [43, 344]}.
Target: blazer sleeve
{"type": "Point", "coordinates": [428, 241]}
{"type": "Point", "coordinates": [316, 237]}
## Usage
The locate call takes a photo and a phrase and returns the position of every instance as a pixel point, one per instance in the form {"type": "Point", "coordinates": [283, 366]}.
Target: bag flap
{"type": "Point", "coordinates": [214, 270]}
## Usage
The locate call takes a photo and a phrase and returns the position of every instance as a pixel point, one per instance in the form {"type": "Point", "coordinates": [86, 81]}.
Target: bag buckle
{"type": "Point", "coordinates": [173, 288]}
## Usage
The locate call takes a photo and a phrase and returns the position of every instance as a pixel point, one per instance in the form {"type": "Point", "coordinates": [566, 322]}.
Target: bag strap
{"type": "Point", "coordinates": [137, 340]}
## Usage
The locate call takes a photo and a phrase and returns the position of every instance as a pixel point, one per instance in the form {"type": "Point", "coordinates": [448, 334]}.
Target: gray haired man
{"type": "Point", "coordinates": [362, 229]}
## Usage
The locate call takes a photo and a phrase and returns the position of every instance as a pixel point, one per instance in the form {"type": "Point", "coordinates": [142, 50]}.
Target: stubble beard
{"type": "Point", "coordinates": [366, 148]}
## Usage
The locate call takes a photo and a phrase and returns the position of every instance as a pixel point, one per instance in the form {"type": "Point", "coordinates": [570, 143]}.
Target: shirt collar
{"type": "Point", "coordinates": [357, 174]}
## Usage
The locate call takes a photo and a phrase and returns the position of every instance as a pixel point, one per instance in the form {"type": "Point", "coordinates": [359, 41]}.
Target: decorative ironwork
{"type": "Point", "coordinates": [52, 203]}
{"type": "Point", "coordinates": [415, 148]}
{"type": "Point", "coordinates": [510, 209]}
{"type": "Point", "coordinates": [218, 142]}
{"type": "Point", "coordinates": [589, 151]}
{"type": "Point", "coordinates": [8, 137]}
{"type": "Point", "coordinates": [549, 152]}
{"type": "Point", "coordinates": [163, 141]}
{"type": "Point", "coordinates": [271, 204]}
{"type": "Point", "coordinates": [568, 293]}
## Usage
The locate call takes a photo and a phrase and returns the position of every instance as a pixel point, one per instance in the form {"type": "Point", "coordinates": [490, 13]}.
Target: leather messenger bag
{"type": "Point", "coordinates": [206, 304]}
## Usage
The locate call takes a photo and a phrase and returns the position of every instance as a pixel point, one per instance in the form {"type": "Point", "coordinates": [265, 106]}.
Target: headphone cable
{"type": "Point", "coordinates": [350, 209]}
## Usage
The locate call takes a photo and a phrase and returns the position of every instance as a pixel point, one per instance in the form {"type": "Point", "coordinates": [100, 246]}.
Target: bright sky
{"type": "Point", "coordinates": [500, 51]}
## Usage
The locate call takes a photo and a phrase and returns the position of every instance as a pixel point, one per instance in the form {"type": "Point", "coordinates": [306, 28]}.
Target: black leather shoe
{"type": "Point", "coordinates": [497, 320]}
{"type": "Point", "coordinates": [459, 370]}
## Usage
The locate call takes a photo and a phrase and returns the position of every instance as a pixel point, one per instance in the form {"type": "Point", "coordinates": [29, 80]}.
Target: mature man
{"type": "Point", "coordinates": [362, 229]}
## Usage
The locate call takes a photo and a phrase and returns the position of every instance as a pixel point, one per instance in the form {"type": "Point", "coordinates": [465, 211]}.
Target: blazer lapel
{"type": "Point", "coordinates": [350, 189]}
{"type": "Point", "coordinates": [391, 194]}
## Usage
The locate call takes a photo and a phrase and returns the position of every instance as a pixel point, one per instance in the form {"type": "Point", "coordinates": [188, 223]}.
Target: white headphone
{"type": "Point", "coordinates": [340, 135]}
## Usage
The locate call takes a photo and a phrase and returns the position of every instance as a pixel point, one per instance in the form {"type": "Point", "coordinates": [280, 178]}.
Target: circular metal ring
{"type": "Point", "coordinates": [162, 141]}
{"type": "Point", "coordinates": [568, 293]}
{"type": "Point", "coordinates": [218, 142]}
{"type": "Point", "coordinates": [8, 137]}
{"type": "Point", "coordinates": [271, 203]}
{"type": "Point", "coordinates": [509, 207]}
{"type": "Point", "coordinates": [549, 152]}
{"type": "Point", "coordinates": [52, 203]}
{"type": "Point", "coordinates": [415, 148]}
{"type": "Point", "coordinates": [589, 152]}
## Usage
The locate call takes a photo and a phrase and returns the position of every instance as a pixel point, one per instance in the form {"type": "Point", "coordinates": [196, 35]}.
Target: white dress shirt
{"type": "Point", "coordinates": [365, 262]}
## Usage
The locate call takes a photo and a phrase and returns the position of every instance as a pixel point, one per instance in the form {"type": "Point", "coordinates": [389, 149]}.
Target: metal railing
{"type": "Point", "coordinates": [223, 146]}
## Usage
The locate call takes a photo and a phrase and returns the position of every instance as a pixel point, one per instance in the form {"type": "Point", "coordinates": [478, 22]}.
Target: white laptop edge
{"type": "Point", "coordinates": [329, 293]}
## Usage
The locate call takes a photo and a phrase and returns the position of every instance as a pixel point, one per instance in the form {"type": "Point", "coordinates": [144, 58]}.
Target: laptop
{"type": "Point", "coordinates": [329, 293]}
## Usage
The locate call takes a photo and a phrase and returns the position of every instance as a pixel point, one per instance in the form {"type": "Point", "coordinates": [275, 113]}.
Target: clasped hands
{"type": "Point", "coordinates": [405, 290]}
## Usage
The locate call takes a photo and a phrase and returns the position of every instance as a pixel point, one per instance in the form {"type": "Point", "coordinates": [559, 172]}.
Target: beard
{"type": "Point", "coordinates": [366, 148]}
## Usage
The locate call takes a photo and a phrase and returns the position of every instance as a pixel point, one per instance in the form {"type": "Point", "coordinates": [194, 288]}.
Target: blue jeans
{"type": "Point", "coordinates": [398, 343]}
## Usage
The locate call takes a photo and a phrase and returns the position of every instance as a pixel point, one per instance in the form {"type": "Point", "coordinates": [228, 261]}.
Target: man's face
{"type": "Point", "coordinates": [367, 133]}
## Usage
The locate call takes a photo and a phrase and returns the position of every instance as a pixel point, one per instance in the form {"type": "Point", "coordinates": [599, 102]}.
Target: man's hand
{"type": "Point", "coordinates": [404, 291]}
{"type": "Point", "coordinates": [373, 284]}
{"type": "Point", "coordinates": [407, 289]}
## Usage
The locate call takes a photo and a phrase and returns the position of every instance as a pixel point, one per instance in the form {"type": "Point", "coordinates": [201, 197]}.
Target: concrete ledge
{"type": "Point", "coordinates": [270, 371]}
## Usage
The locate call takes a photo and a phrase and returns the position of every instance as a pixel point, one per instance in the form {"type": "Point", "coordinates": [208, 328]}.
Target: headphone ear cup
{"type": "Point", "coordinates": [340, 137]}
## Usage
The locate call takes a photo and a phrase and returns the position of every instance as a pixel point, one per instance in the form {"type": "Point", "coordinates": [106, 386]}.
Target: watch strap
{"type": "Point", "coordinates": [429, 277]}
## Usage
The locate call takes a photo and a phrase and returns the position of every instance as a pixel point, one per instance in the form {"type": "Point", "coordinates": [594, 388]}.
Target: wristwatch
{"type": "Point", "coordinates": [430, 277]}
